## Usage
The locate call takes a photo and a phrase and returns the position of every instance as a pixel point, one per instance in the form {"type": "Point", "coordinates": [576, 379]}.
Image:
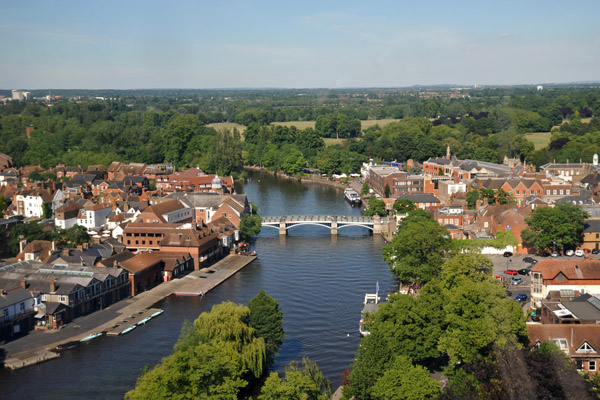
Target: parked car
{"type": "Point", "coordinates": [586, 251]}
{"type": "Point", "coordinates": [595, 251]}
{"type": "Point", "coordinates": [524, 271]}
{"type": "Point", "coordinates": [521, 297]}
{"type": "Point", "coordinates": [510, 271]}
{"type": "Point", "coordinates": [569, 253]}
{"type": "Point", "coordinates": [555, 254]}
{"type": "Point", "coordinates": [579, 253]}
{"type": "Point", "coordinates": [508, 254]}
{"type": "Point", "coordinates": [530, 260]}
{"type": "Point", "coordinates": [508, 293]}
{"type": "Point", "coordinates": [516, 281]}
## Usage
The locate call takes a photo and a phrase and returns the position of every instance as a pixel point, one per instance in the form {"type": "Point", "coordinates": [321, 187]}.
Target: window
{"type": "Point", "coordinates": [561, 191]}
{"type": "Point", "coordinates": [562, 344]}
{"type": "Point", "coordinates": [579, 365]}
{"type": "Point", "coordinates": [22, 306]}
{"type": "Point", "coordinates": [554, 191]}
{"type": "Point", "coordinates": [585, 348]}
{"type": "Point", "coordinates": [591, 365]}
{"type": "Point", "coordinates": [548, 192]}
{"type": "Point", "coordinates": [597, 235]}
{"type": "Point", "coordinates": [568, 191]}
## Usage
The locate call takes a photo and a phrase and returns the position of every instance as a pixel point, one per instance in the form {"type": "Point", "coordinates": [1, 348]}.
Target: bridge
{"type": "Point", "coordinates": [332, 222]}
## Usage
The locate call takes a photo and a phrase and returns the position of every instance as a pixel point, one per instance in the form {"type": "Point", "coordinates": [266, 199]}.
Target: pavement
{"type": "Point", "coordinates": [37, 346]}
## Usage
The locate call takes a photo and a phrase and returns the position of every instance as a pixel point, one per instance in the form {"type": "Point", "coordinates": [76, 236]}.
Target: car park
{"type": "Point", "coordinates": [516, 281]}
{"type": "Point", "coordinates": [579, 253]}
{"type": "Point", "coordinates": [521, 297]}
{"type": "Point", "coordinates": [507, 254]}
{"type": "Point", "coordinates": [510, 271]}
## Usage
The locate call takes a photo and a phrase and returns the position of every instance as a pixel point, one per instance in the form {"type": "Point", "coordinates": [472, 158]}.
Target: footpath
{"type": "Point", "coordinates": [38, 346]}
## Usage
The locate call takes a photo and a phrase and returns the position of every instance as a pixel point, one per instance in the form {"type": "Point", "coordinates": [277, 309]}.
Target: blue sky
{"type": "Point", "coordinates": [223, 44]}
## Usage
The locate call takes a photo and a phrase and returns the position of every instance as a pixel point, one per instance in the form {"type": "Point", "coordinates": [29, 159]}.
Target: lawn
{"type": "Point", "coordinates": [311, 124]}
{"type": "Point", "coordinates": [332, 141]}
{"type": "Point", "coordinates": [539, 139]}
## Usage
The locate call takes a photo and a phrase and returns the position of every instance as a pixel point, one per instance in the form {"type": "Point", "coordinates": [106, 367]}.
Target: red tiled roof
{"type": "Point", "coordinates": [576, 335]}
{"type": "Point", "coordinates": [571, 269]}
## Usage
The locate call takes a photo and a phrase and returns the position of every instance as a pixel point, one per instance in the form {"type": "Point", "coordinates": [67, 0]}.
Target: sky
{"type": "Point", "coordinates": [130, 44]}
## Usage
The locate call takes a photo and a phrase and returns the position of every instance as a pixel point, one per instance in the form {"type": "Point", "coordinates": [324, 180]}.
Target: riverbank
{"type": "Point", "coordinates": [39, 346]}
{"type": "Point", "coordinates": [304, 179]}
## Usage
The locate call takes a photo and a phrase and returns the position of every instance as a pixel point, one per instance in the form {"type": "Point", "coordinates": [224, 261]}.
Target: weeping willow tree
{"type": "Point", "coordinates": [215, 357]}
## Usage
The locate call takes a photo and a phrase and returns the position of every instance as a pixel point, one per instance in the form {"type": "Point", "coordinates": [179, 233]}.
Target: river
{"type": "Point", "coordinates": [320, 282]}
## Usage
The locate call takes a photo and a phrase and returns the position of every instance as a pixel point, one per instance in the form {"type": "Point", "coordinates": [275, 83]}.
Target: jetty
{"type": "Point", "coordinates": [39, 346]}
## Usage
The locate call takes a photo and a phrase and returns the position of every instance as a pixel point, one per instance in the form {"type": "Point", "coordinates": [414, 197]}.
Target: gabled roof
{"type": "Point", "coordinates": [571, 269]}
{"type": "Point", "coordinates": [576, 335]}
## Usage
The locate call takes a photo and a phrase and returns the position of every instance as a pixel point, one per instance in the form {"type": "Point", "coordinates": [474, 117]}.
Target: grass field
{"type": "Point", "coordinates": [332, 141]}
{"type": "Point", "coordinates": [311, 124]}
{"type": "Point", "coordinates": [539, 139]}
{"type": "Point", "coordinates": [227, 125]}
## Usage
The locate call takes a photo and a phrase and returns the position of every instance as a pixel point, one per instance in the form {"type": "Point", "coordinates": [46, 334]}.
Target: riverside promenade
{"type": "Point", "coordinates": [38, 346]}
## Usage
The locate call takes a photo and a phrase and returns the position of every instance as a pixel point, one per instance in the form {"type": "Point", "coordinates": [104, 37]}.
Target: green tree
{"type": "Point", "coordinates": [505, 197]}
{"type": "Point", "coordinates": [266, 317]}
{"type": "Point", "coordinates": [365, 189]}
{"type": "Point", "coordinates": [472, 198]}
{"type": "Point", "coordinates": [250, 226]}
{"type": "Point", "coordinates": [404, 205]}
{"type": "Point", "coordinates": [406, 381]}
{"type": "Point", "coordinates": [306, 382]}
{"type": "Point", "coordinates": [416, 253]}
{"type": "Point", "coordinates": [46, 210]}
{"type": "Point", "coordinates": [387, 191]}
{"type": "Point", "coordinates": [376, 207]}
{"type": "Point", "coordinates": [215, 357]}
{"type": "Point", "coordinates": [3, 203]}
{"type": "Point", "coordinates": [35, 176]}
{"type": "Point", "coordinates": [561, 226]}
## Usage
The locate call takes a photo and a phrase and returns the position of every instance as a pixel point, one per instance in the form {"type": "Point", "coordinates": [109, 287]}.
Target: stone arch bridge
{"type": "Point", "coordinates": [332, 222]}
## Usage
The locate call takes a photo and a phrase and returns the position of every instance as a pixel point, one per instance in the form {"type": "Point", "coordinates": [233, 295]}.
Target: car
{"type": "Point", "coordinates": [510, 271]}
{"type": "Point", "coordinates": [555, 254]}
{"type": "Point", "coordinates": [521, 297]}
{"type": "Point", "coordinates": [569, 253]}
{"type": "Point", "coordinates": [507, 254]}
{"type": "Point", "coordinates": [586, 251]}
{"type": "Point", "coordinates": [579, 253]}
{"type": "Point", "coordinates": [516, 281]}
{"type": "Point", "coordinates": [530, 260]}
{"type": "Point", "coordinates": [595, 251]}
{"type": "Point", "coordinates": [524, 271]}
{"type": "Point", "coordinates": [508, 293]}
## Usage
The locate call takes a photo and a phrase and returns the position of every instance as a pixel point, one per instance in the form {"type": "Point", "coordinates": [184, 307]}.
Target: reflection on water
{"type": "Point", "coordinates": [318, 280]}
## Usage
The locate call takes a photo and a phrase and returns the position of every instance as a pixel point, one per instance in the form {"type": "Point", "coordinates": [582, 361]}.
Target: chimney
{"type": "Point", "coordinates": [53, 245]}
{"type": "Point", "coordinates": [54, 186]}
{"type": "Point", "coordinates": [115, 264]}
{"type": "Point", "coordinates": [23, 283]}
{"type": "Point", "coordinates": [22, 244]}
{"type": "Point", "coordinates": [66, 252]}
{"type": "Point", "coordinates": [52, 286]}
{"type": "Point", "coordinates": [86, 245]}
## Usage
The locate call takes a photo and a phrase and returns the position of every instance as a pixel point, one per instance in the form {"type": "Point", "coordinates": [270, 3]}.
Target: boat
{"type": "Point", "coordinates": [127, 330]}
{"type": "Point", "coordinates": [252, 253]}
{"type": "Point", "coordinates": [143, 322]}
{"type": "Point", "coordinates": [352, 197]}
{"type": "Point", "coordinates": [92, 336]}
{"type": "Point", "coordinates": [371, 304]}
{"type": "Point", "coordinates": [67, 345]}
{"type": "Point", "coordinates": [156, 314]}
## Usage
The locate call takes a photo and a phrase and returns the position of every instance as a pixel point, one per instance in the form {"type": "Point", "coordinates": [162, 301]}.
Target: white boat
{"type": "Point", "coordinates": [92, 336]}
{"type": "Point", "coordinates": [156, 314]}
{"type": "Point", "coordinates": [371, 304]}
{"type": "Point", "coordinates": [352, 197]}
{"type": "Point", "coordinates": [127, 330]}
{"type": "Point", "coordinates": [142, 322]}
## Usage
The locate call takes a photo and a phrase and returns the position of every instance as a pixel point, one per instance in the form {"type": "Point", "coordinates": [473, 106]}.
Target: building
{"type": "Point", "coordinates": [194, 180]}
{"type": "Point", "coordinates": [580, 275]}
{"type": "Point", "coordinates": [572, 172]}
{"type": "Point", "coordinates": [591, 234]}
{"type": "Point", "coordinates": [65, 217]}
{"type": "Point", "coordinates": [202, 243]}
{"type": "Point", "coordinates": [581, 343]}
{"type": "Point", "coordinates": [95, 216]}
{"type": "Point", "coordinates": [16, 312]}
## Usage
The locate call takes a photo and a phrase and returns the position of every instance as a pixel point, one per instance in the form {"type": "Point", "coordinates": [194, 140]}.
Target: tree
{"type": "Point", "coordinates": [560, 226]}
{"type": "Point", "coordinates": [250, 226]}
{"type": "Point", "coordinates": [215, 357]}
{"type": "Point", "coordinates": [505, 197]}
{"type": "Point", "coordinates": [387, 191]}
{"type": "Point", "coordinates": [404, 205]}
{"type": "Point", "coordinates": [365, 189]}
{"type": "Point", "coordinates": [417, 251]}
{"type": "Point", "coordinates": [3, 203]}
{"type": "Point", "coordinates": [376, 207]}
{"type": "Point", "coordinates": [306, 382]}
{"type": "Point", "coordinates": [46, 210]}
{"type": "Point", "coordinates": [266, 317]}
{"type": "Point", "coordinates": [472, 198]}
{"type": "Point", "coordinates": [403, 380]}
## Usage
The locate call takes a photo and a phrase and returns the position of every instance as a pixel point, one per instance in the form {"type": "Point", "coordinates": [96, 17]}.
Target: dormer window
{"type": "Point", "coordinates": [585, 348]}
{"type": "Point", "coordinates": [562, 344]}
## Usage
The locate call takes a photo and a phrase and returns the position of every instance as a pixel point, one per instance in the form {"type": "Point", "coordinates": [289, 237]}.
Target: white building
{"type": "Point", "coordinates": [94, 217]}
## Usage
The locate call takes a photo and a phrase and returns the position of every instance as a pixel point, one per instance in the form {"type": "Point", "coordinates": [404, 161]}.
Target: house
{"type": "Point", "coordinates": [30, 203]}
{"type": "Point", "coordinates": [39, 250]}
{"type": "Point", "coordinates": [591, 234]}
{"type": "Point", "coordinates": [94, 217]}
{"type": "Point", "coordinates": [169, 211]}
{"type": "Point", "coordinates": [554, 275]}
{"type": "Point", "coordinates": [207, 206]}
{"type": "Point", "coordinates": [581, 343]}
{"type": "Point", "coordinates": [6, 162]}
{"type": "Point", "coordinates": [424, 201]}
{"type": "Point", "coordinates": [146, 236]}
{"type": "Point", "coordinates": [194, 179]}
{"type": "Point", "coordinates": [65, 217]}
{"type": "Point", "coordinates": [16, 312]}
{"type": "Point", "coordinates": [144, 271]}
{"type": "Point", "coordinates": [571, 309]}
{"type": "Point", "coordinates": [202, 243]}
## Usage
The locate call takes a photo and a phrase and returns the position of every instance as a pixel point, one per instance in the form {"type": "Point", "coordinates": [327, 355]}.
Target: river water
{"type": "Point", "coordinates": [320, 282]}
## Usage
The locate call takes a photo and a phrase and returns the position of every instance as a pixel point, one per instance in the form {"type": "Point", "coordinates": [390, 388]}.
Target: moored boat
{"type": "Point", "coordinates": [67, 345]}
{"type": "Point", "coordinates": [352, 197]}
{"type": "Point", "coordinates": [92, 336]}
{"type": "Point", "coordinates": [125, 331]}
{"type": "Point", "coordinates": [371, 304]}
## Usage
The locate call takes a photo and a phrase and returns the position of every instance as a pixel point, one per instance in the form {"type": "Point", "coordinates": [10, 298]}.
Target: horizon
{"type": "Point", "coordinates": [314, 45]}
